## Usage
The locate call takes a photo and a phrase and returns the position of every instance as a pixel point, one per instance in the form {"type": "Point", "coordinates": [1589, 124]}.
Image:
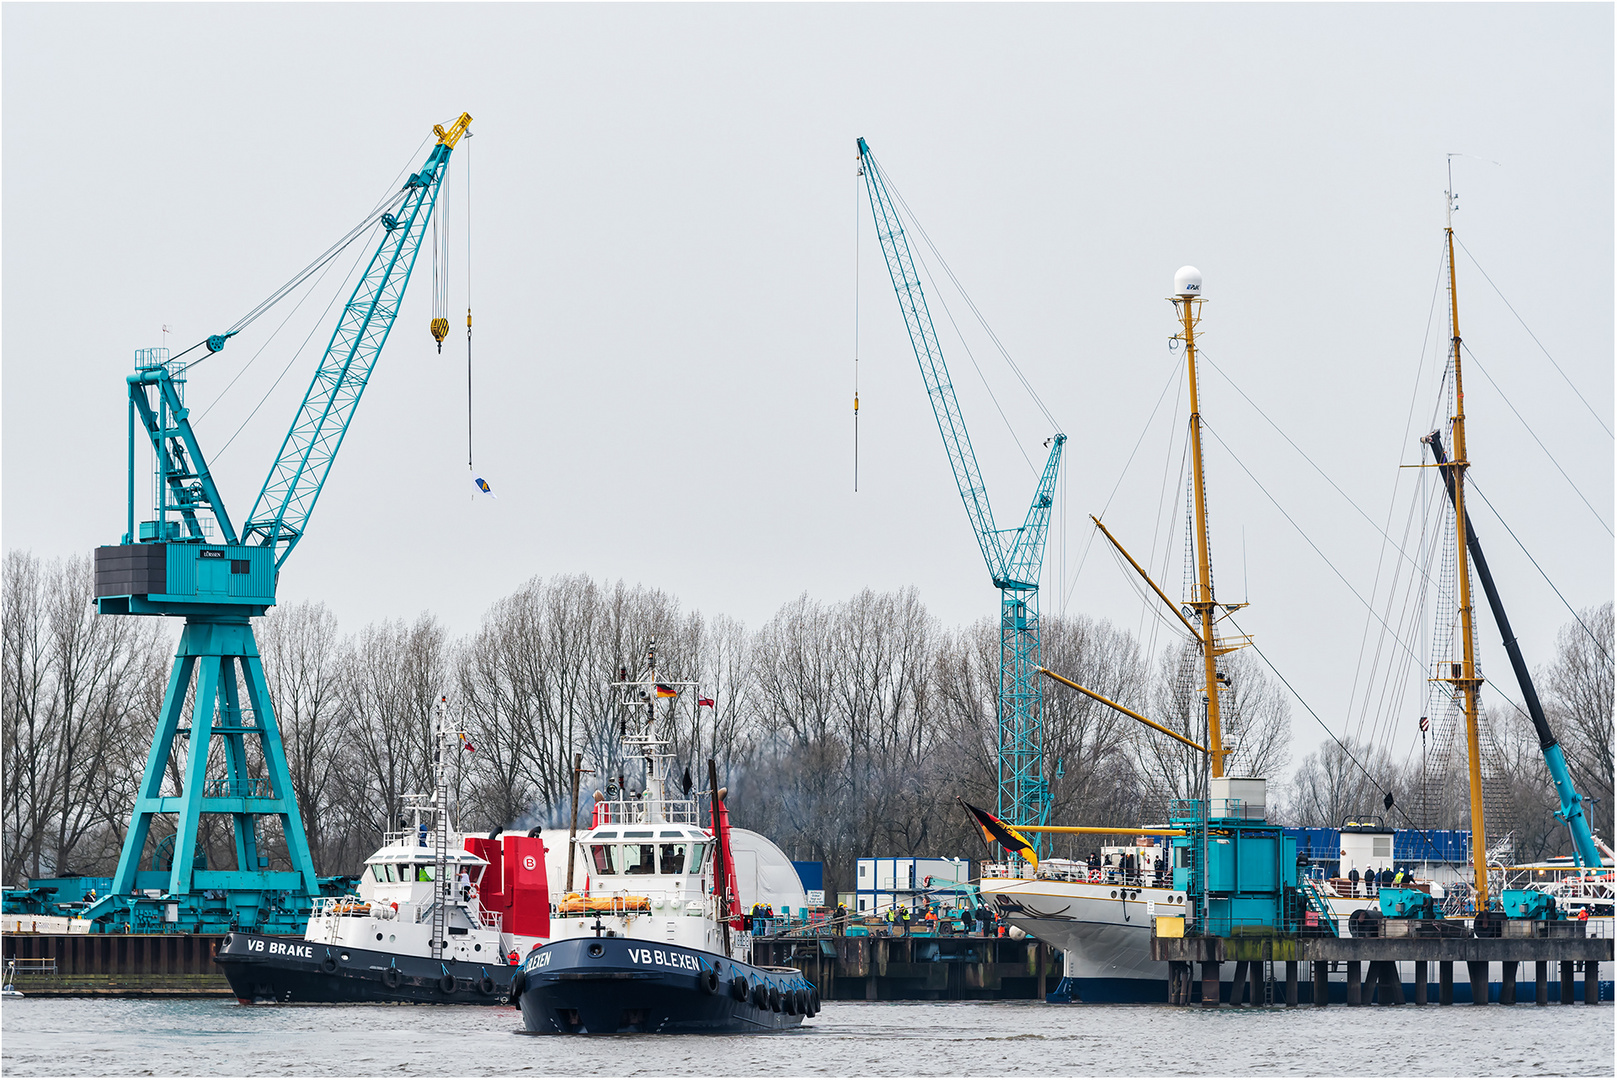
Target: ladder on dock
{"type": "Point", "coordinates": [1318, 904]}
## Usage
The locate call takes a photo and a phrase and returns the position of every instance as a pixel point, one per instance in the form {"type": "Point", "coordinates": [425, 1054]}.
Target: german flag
{"type": "Point", "coordinates": [996, 831]}
{"type": "Point", "coordinates": [666, 691]}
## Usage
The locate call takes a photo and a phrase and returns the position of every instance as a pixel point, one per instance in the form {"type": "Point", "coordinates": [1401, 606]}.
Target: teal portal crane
{"type": "Point", "coordinates": [1015, 557]}
{"type": "Point", "coordinates": [190, 561]}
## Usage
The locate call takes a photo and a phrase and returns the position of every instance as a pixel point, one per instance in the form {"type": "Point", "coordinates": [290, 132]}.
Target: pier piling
{"type": "Point", "coordinates": [1507, 982]}
{"type": "Point", "coordinates": [1354, 987]}
{"type": "Point", "coordinates": [1541, 982]}
{"type": "Point", "coordinates": [1422, 990]}
{"type": "Point", "coordinates": [1567, 996]}
{"type": "Point", "coordinates": [1591, 982]}
{"type": "Point", "coordinates": [1478, 972]}
{"type": "Point", "coordinates": [1291, 984]}
{"type": "Point", "coordinates": [1210, 984]}
{"type": "Point", "coordinates": [1445, 982]}
{"type": "Point", "coordinates": [1321, 970]}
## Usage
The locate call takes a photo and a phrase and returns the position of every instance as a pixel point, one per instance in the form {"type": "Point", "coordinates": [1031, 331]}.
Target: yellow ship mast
{"type": "Point", "coordinates": [1468, 681]}
{"type": "Point", "coordinates": [1188, 304]}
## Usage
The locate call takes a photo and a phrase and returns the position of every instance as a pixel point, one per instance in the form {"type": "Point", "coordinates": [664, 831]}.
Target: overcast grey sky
{"type": "Point", "coordinates": [663, 225]}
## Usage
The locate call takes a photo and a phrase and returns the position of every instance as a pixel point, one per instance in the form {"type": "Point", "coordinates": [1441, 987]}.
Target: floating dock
{"type": "Point", "coordinates": [905, 968]}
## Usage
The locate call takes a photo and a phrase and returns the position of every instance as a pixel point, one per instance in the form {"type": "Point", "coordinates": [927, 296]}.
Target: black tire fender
{"type": "Point", "coordinates": [391, 978]}
{"type": "Point", "coordinates": [485, 986]}
{"type": "Point", "coordinates": [760, 995]}
{"type": "Point", "coordinates": [517, 983]}
{"type": "Point", "coordinates": [738, 988]}
{"type": "Point", "coordinates": [774, 999]}
{"type": "Point", "coordinates": [814, 1001]}
{"type": "Point", "coordinates": [446, 983]}
{"type": "Point", "coordinates": [708, 981]}
{"type": "Point", "coordinates": [329, 964]}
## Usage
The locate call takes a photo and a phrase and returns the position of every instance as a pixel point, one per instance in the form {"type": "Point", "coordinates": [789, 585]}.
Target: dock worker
{"type": "Point", "coordinates": [514, 957]}
{"type": "Point", "coordinates": [465, 883]}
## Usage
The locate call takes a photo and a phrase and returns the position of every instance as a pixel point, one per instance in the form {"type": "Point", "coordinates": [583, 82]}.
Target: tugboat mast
{"type": "Point", "coordinates": [1468, 682]}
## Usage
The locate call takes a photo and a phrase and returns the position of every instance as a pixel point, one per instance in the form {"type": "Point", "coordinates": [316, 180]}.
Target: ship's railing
{"type": "Point", "coordinates": [1005, 870]}
{"type": "Point", "coordinates": [639, 812]}
{"type": "Point", "coordinates": [349, 906]}
{"type": "Point", "coordinates": [1101, 875]}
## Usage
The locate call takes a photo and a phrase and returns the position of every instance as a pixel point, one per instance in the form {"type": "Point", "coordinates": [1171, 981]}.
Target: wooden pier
{"type": "Point", "coordinates": [952, 968]}
{"type": "Point", "coordinates": [1370, 965]}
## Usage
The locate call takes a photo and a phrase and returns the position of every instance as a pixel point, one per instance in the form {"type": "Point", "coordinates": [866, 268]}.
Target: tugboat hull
{"type": "Point", "coordinates": [610, 984]}
{"type": "Point", "coordinates": [269, 969]}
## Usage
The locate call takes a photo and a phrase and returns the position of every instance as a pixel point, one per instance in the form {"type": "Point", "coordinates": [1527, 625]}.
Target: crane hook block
{"type": "Point", "coordinates": [389, 222]}
{"type": "Point", "coordinates": [216, 342]}
{"type": "Point", "coordinates": [440, 330]}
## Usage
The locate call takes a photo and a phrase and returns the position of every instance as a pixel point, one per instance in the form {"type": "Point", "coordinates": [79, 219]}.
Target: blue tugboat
{"type": "Point", "coordinates": [654, 940]}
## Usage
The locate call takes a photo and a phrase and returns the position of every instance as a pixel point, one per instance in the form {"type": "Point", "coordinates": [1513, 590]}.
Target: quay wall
{"type": "Point", "coordinates": [116, 965]}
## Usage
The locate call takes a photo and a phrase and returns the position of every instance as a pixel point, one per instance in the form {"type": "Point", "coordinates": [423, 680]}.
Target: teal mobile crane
{"type": "Point", "coordinates": [1015, 557]}
{"type": "Point", "coordinates": [189, 560]}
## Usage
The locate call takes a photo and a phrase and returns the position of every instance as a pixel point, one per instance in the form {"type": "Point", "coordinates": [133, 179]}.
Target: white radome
{"type": "Point", "coordinates": [1187, 282]}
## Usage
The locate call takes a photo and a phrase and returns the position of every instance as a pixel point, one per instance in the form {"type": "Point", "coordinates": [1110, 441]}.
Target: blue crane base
{"type": "Point", "coordinates": [216, 663]}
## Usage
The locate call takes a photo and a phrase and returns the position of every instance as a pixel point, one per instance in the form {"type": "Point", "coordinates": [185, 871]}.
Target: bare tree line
{"type": "Point", "coordinates": [843, 729]}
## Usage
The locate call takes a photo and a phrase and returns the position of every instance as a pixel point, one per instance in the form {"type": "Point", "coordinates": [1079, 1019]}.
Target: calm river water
{"type": "Point", "coordinates": [210, 1037]}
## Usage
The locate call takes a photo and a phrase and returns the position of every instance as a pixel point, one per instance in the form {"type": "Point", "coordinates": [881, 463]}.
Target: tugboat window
{"type": "Point", "coordinates": [376, 871]}
{"type": "Point", "coordinates": [672, 859]}
{"type": "Point", "coordinates": [602, 855]}
{"type": "Point", "coordinates": [697, 853]}
{"type": "Point", "coordinates": [639, 858]}
{"type": "Point", "coordinates": [388, 869]}
{"type": "Point", "coordinates": [425, 873]}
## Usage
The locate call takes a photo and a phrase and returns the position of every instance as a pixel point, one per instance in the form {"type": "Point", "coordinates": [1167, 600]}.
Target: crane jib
{"type": "Point", "coordinates": [293, 486]}
{"type": "Point", "coordinates": [1015, 557]}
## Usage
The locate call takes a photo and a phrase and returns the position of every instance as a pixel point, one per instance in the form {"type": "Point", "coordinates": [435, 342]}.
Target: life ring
{"type": "Point", "coordinates": [1094, 875]}
{"type": "Point", "coordinates": [329, 964]}
{"type": "Point", "coordinates": [446, 983]}
{"type": "Point", "coordinates": [394, 905]}
{"type": "Point", "coordinates": [391, 978]}
{"type": "Point", "coordinates": [485, 986]}
{"type": "Point", "coordinates": [739, 988]}
{"type": "Point", "coordinates": [708, 981]}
